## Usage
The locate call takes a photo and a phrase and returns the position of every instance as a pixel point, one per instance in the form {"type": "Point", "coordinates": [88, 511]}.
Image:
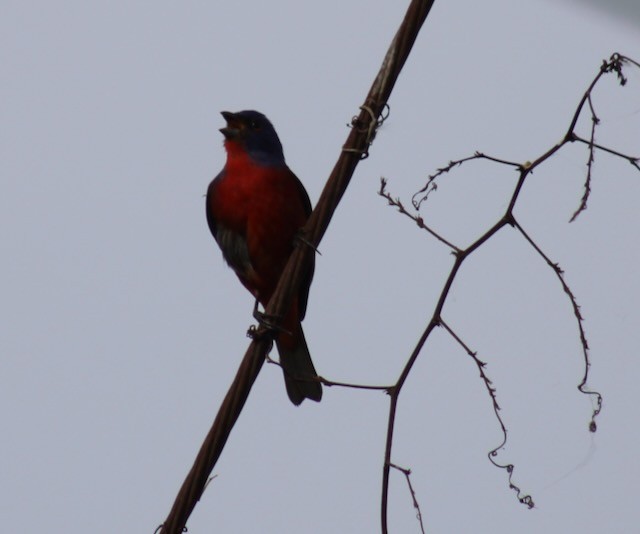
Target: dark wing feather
{"type": "Point", "coordinates": [303, 295]}
{"type": "Point", "coordinates": [235, 251]}
{"type": "Point", "coordinates": [211, 221]}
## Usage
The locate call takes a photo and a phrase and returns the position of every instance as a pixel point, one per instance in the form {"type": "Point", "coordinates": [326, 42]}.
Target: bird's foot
{"type": "Point", "coordinates": [270, 322]}
{"type": "Point", "coordinates": [260, 334]}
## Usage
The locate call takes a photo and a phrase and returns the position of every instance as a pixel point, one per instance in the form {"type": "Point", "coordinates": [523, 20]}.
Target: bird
{"type": "Point", "coordinates": [255, 208]}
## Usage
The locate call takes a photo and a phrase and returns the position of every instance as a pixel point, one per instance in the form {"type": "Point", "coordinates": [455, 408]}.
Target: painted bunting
{"type": "Point", "coordinates": [255, 208]}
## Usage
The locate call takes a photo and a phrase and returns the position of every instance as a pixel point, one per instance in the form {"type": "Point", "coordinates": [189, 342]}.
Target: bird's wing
{"type": "Point", "coordinates": [303, 295]}
{"type": "Point", "coordinates": [211, 221]}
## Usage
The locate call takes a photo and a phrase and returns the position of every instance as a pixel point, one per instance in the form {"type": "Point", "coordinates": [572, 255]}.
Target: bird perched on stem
{"type": "Point", "coordinates": [255, 209]}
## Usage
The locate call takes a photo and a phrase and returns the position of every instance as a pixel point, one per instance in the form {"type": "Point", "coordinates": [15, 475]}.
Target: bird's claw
{"type": "Point", "coordinates": [270, 322]}
{"type": "Point", "coordinates": [258, 334]}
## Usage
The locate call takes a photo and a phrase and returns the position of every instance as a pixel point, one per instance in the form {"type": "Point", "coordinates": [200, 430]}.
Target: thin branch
{"type": "Point", "coordinates": [416, 505]}
{"type": "Point", "coordinates": [391, 422]}
{"type": "Point", "coordinates": [582, 387]}
{"type": "Point", "coordinates": [613, 65]}
{"type": "Point", "coordinates": [330, 383]}
{"type": "Point", "coordinates": [432, 186]}
{"type": "Point", "coordinates": [635, 161]}
{"type": "Point", "coordinates": [587, 184]}
{"type": "Point", "coordinates": [416, 218]}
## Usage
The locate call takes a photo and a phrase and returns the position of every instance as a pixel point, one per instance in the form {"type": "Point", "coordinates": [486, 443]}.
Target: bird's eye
{"type": "Point", "coordinates": [254, 125]}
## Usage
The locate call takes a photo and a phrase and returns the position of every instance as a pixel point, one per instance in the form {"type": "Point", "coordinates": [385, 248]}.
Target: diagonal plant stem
{"type": "Point", "coordinates": [355, 148]}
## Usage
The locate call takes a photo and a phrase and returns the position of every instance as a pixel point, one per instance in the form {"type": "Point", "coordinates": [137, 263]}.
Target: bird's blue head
{"type": "Point", "coordinates": [251, 132]}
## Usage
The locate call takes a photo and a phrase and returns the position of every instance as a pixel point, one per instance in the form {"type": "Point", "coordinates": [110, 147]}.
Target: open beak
{"type": "Point", "coordinates": [232, 129]}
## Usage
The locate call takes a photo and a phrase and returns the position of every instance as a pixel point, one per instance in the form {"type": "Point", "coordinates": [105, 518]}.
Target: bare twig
{"type": "Point", "coordinates": [418, 220]}
{"type": "Point", "coordinates": [416, 505]}
{"type": "Point", "coordinates": [587, 184]}
{"type": "Point", "coordinates": [582, 387]}
{"type": "Point", "coordinates": [431, 185]}
{"type": "Point", "coordinates": [615, 64]}
{"type": "Point", "coordinates": [330, 383]}
{"type": "Point", "coordinates": [635, 161]}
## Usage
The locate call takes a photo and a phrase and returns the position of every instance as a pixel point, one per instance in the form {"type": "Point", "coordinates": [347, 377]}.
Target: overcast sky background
{"type": "Point", "coordinates": [122, 327]}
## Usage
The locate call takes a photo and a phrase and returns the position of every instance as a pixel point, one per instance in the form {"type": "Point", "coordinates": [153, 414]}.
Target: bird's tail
{"type": "Point", "coordinates": [299, 372]}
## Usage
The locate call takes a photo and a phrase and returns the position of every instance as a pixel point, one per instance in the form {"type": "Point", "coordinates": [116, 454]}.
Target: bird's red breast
{"type": "Point", "coordinates": [262, 206]}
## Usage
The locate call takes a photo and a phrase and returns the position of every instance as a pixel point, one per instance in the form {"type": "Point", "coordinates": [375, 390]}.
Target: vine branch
{"type": "Point", "coordinates": [614, 64]}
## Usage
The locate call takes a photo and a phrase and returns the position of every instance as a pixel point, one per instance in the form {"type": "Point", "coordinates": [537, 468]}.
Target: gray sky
{"type": "Point", "coordinates": [625, 10]}
{"type": "Point", "coordinates": [122, 327]}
